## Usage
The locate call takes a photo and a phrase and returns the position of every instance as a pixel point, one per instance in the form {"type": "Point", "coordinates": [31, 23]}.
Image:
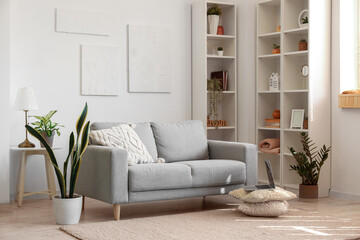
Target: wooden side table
{"type": "Point", "coordinates": [25, 152]}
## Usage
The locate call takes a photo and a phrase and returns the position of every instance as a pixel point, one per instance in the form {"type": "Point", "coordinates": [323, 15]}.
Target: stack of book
{"type": "Point", "coordinates": [223, 77]}
{"type": "Point", "coordinates": [272, 123]}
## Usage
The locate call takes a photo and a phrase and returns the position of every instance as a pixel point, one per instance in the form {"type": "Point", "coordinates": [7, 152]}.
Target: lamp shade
{"type": "Point", "coordinates": [25, 99]}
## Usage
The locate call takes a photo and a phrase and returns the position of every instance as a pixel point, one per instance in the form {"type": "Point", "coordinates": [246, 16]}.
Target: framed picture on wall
{"type": "Point", "coordinates": [297, 119]}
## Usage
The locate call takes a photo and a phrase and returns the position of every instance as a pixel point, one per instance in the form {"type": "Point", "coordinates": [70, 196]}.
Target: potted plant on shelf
{"type": "Point", "coordinates": [220, 51]}
{"type": "Point", "coordinates": [213, 13]}
{"type": "Point", "coordinates": [276, 49]}
{"type": "Point", "coordinates": [215, 92]}
{"type": "Point", "coordinates": [308, 166]}
{"type": "Point", "coordinates": [302, 45]}
{"type": "Point", "coordinates": [304, 22]}
{"type": "Point", "coordinates": [67, 206]}
{"type": "Point", "coordinates": [47, 128]}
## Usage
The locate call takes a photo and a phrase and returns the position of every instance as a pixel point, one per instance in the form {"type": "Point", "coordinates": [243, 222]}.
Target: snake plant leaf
{"type": "Point", "coordinates": [59, 175]}
{"type": "Point", "coordinates": [81, 120]}
{"type": "Point", "coordinates": [85, 138]}
{"type": "Point", "coordinates": [71, 149]}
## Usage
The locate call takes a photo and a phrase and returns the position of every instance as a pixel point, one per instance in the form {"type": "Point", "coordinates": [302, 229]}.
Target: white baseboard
{"type": "Point", "coordinates": [346, 196]}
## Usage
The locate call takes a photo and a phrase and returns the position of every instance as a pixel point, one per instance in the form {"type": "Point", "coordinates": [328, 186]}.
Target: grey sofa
{"type": "Point", "coordinates": [194, 166]}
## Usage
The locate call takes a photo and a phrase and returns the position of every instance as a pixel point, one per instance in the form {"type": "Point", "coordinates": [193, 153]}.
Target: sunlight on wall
{"type": "Point", "coordinates": [348, 45]}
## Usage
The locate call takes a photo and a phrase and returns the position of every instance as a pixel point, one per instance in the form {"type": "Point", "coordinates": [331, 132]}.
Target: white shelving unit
{"type": "Point", "coordinates": [204, 61]}
{"type": "Point", "coordinates": [296, 92]}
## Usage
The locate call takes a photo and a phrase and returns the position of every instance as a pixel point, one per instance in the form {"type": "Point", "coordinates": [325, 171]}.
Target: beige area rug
{"type": "Point", "coordinates": [220, 224]}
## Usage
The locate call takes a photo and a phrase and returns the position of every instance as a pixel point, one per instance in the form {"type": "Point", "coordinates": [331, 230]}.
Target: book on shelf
{"type": "Point", "coordinates": [272, 123]}
{"type": "Point", "coordinates": [223, 77]}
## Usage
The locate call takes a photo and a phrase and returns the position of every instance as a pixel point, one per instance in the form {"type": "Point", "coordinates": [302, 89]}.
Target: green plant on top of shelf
{"type": "Point", "coordinates": [220, 49]}
{"type": "Point", "coordinates": [214, 10]}
{"type": "Point", "coordinates": [304, 20]}
{"type": "Point", "coordinates": [215, 95]}
{"type": "Point", "coordinates": [310, 161]}
{"type": "Point", "coordinates": [275, 46]}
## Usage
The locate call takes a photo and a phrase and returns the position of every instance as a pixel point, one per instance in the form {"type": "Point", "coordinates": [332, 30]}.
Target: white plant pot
{"type": "Point", "coordinates": [67, 210]}
{"type": "Point", "coordinates": [304, 25]}
{"type": "Point", "coordinates": [213, 23]}
{"type": "Point", "coordinates": [220, 53]}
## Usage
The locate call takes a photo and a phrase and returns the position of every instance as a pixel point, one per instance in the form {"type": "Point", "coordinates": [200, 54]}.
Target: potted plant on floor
{"type": "Point", "coordinates": [47, 128]}
{"type": "Point", "coordinates": [213, 14]}
{"type": "Point", "coordinates": [67, 206]}
{"type": "Point", "coordinates": [308, 166]}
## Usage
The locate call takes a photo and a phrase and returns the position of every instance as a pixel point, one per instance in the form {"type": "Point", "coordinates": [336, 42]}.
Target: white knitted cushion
{"type": "Point", "coordinates": [266, 209]}
{"type": "Point", "coordinates": [277, 194]}
{"type": "Point", "coordinates": [124, 136]}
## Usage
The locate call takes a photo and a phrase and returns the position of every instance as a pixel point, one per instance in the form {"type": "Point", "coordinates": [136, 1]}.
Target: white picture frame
{"type": "Point", "coordinates": [297, 118]}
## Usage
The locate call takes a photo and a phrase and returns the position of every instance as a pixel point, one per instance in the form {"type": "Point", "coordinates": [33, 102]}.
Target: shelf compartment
{"type": "Point", "coordinates": [275, 166]}
{"type": "Point", "coordinates": [265, 45]}
{"type": "Point", "coordinates": [291, 41]}
{"type": "Point", "coordinates": [292, 10]}
{"type": "Point", "coordinates": [268, 13]}
{"type": "Point", "coordinates": [267, 103]}
{"type": "Point", "coordinates": [227, 17]}
{"type": "Point", "coordinates": [290, 178]}
{"type": "Point", "coordinates": [228, 45]}
{"type": "Point", "coordinates": [222, 134]}
{"type": "Point", "coordinates": [226, 109]}
{"type": "Point", "coordinates": [293, 101]}
{"type": "Point", "coordinates": [264, 134]}
{"type": "Point", "coordinates": [265, 67]}
{"type": "Point", "coordinates": [215, 65]}
{"type": "Point", "coordinates": [292, 77]}
{"type": "Point", "coordinates": [291, 139]}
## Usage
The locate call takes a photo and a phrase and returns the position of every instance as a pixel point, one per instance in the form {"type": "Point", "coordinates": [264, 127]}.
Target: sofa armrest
{"type": "Point", "coordinates": [245, 152]}
{"type": "Point", "coordinates": [103, 174]}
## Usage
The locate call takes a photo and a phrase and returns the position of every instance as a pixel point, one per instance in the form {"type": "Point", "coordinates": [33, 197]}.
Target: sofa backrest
{"type": "Point", "coordinates": [180, 141]}
{"type": "Point", "coordinates": [143, 130]}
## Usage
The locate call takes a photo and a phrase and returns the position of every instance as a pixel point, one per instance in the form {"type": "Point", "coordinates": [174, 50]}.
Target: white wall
{"type": "Point", "coordinates": [49, 62]}
{"type": "Point", "coordinates": [4, 98]}
{"type": "Point", "coordinates": [345, 122]}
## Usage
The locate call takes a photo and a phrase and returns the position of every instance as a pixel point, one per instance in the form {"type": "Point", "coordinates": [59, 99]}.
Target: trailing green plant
{"type": "Point", "coordinates": [76, 150]}
{"type": "Point", "coordinates": [275, 46]}
{"type": "Point", "coordinates": [304, 20]}
{"type": "Point", "coordinates": [220, 49]}
{"type": "Point", "coordinates": [303, 40]}
{"type": "Point", "coordinates": [46, 125]}
{"type": "Point", "coordinates": [214, 10]}
{"type": "Point", "coordinates": [215, 93]}
{"type": "Point", "coordinates": [310, 161]}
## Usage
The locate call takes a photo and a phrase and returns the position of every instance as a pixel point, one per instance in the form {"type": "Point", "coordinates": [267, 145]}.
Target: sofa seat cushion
{"type": "Point", "coordinates": [216, 172]}
{"type": "Point", "coordinates": [148, 177]}
{"type": "Point", "coordinates": [180, 141]}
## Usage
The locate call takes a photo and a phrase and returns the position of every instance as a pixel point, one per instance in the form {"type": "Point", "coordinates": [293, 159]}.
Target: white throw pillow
{"type": "Point", "coordinates": [266, 209]}
{"type": "Point", "coordinates": [277, 194]}
{"type": "Point", "coordinates": [124, 136]}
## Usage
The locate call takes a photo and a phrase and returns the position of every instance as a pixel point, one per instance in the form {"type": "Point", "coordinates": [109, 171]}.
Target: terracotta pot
{"type": "Point", "coordinates": [220, 30]}
{"type": "Point", "coordinates": [276, 51]}
{"type": "Point", "coordinates": [48, 139]}
{"type": "Point", "coordinates": [302, 46]}
{"type": "Point", "coordinates": [306, 124]}
{"type": "Point", "coordinates": [308, 191]}
{"type": "Point", "coordinates": [276, 114]}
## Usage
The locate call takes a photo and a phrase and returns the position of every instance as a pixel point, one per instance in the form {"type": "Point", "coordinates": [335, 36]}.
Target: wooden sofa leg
{"type": "Point", "coordinates": [116, 212]}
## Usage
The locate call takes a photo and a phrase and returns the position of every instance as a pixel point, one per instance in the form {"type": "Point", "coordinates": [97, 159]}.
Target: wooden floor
{"type": "Point", "coordinates": [34, 220]}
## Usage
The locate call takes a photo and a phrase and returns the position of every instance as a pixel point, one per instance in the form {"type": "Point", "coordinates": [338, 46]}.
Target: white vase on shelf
{"type": "Point", "coordinates": [213, 23]}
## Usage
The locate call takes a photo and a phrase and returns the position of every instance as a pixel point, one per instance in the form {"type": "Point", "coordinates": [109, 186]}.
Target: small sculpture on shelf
{"type": "Point", "coordinates": [216, 123]}
{"type": "Point", "coordinates": [302, 45]}
{"type": "Point", "coordinates": [276, 49]}
{"type": "Point", "coordinates": [274, 82]}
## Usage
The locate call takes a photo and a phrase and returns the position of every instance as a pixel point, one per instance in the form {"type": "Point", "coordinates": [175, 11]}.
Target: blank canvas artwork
{"type": "Point", "coordinates": [100, 73]}
{"type": "Point", "coordinates": [149, 59]}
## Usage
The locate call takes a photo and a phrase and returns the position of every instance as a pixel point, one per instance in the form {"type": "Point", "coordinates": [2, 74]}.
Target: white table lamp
{"type": "Point", "coordinates": [26, 101]}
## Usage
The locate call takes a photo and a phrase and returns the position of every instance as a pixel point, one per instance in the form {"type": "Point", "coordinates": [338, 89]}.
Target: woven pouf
{"type": "Point", "coordinates": [263, 203]}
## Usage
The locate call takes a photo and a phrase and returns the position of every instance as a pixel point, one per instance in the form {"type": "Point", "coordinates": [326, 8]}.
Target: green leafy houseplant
{"type": "Point", "coordinates": [310, 161]}
{"type": "Point", "coordinates": [304, 20]}
{"type": "Point", "coordinates": [220, 49]}
{"type": "Point", "coordinates": [214, 10]}
{"type": "Point", "coordinates": [46, 125]}
{"type": "Point", "coordinates": [76, 150]}
{"type": "Point", "coordinates": [215, 94]}
{"type": "Point", "coordinates": [275, 46]}
{"type": "Point", "coordinates": [303, 40]}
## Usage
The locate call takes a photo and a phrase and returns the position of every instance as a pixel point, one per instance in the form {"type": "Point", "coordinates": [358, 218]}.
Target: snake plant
{"type": "Point", "coordinates": [76, 150]}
